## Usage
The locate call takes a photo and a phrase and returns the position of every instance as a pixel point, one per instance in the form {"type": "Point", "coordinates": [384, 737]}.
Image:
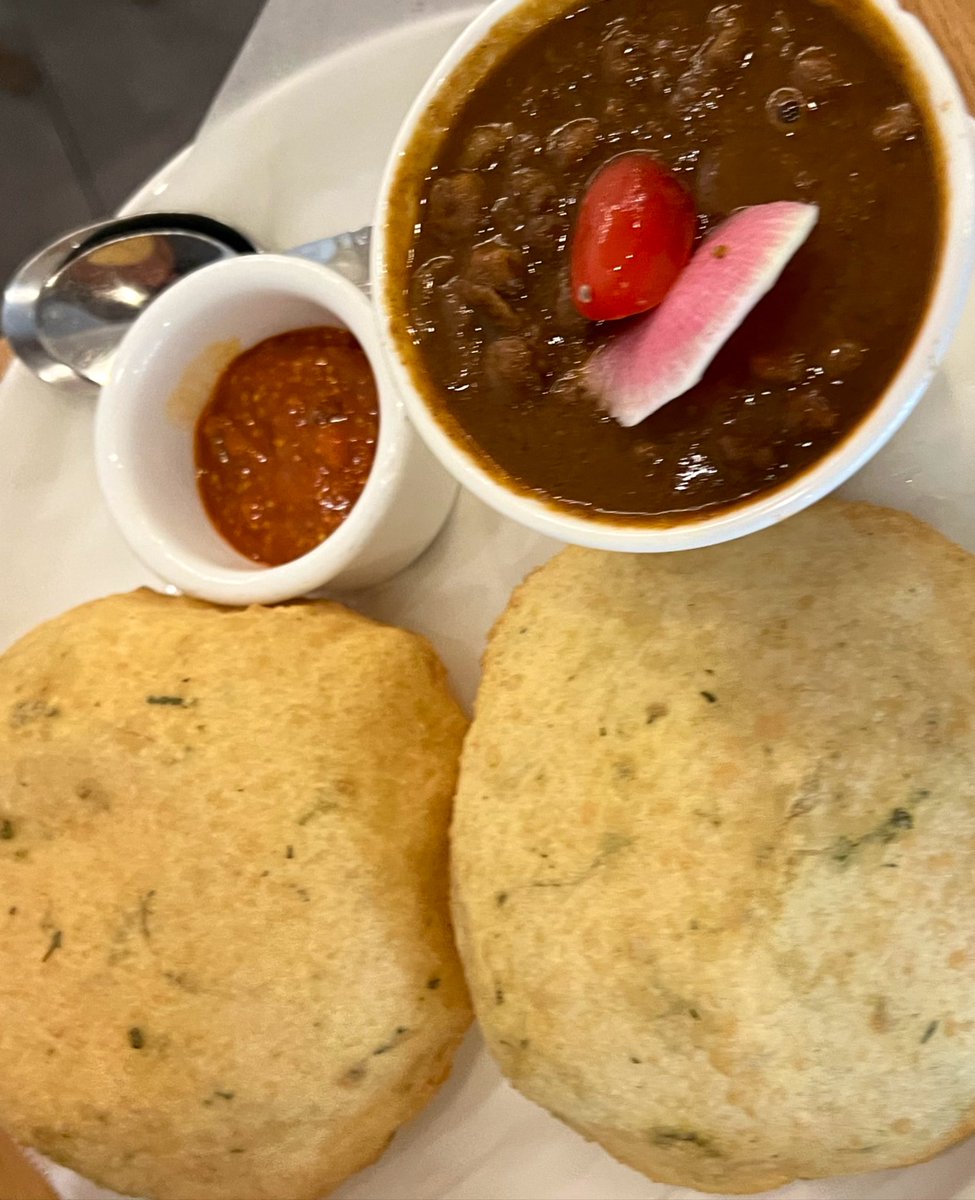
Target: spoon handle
{"type": "Point", "coordinates": [345, 253]}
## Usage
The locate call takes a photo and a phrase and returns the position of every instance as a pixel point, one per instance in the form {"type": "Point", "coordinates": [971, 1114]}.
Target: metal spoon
{"type": "Point", "coordinates": [67, 308]}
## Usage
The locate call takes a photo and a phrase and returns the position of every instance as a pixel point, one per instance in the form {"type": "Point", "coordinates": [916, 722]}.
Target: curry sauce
{"type": "Point", "coordinates": [746, 103]}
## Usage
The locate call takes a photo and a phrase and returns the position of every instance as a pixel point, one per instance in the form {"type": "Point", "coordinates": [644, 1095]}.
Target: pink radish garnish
{"type": "Point", "coordinates": [665, 353]}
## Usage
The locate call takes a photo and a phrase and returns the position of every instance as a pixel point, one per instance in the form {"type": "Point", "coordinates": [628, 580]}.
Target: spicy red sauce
{"type": "Point", "coordinates": [286, 442]}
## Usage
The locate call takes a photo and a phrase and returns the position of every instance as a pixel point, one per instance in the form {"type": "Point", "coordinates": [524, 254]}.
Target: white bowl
{"type": "Point", "coordinates": [161, 380]}
{"type": "Point", "coordinates": [471, 56]}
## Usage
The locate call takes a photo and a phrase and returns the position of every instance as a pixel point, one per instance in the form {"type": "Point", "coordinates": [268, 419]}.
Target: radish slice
{"type": "Point", "coordinates": [666, 352]}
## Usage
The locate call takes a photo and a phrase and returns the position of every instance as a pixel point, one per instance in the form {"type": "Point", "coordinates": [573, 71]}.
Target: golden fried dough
{"type": "Point", "coordinates": [714, 850]}
{"type": "Point", "coordinates": [226, 965]}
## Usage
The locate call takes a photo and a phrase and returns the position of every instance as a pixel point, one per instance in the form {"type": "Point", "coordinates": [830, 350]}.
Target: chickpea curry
{"type": "Point", "coordinates": [743, 104]}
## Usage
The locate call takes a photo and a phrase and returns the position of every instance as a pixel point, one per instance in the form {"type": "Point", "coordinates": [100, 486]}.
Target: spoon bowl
{"type": "Point", "coordinates": [68, 307]}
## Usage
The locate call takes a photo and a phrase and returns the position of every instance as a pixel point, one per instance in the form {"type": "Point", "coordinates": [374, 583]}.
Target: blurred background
{"type": "Point", "coordinates": [95, 95]}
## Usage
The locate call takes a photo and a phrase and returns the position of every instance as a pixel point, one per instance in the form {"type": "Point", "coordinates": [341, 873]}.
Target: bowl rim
{"type": "Point", "coordinates": [949, 294]}
{"type": "Point", "coordinates": [122, 486]}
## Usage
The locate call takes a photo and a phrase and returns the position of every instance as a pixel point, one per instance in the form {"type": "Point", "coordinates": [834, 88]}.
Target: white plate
{"type": "Point", "coordinates": [303, 162]}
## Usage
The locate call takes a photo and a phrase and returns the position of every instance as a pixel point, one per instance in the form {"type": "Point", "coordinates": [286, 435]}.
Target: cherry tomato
{"type": "Point", "coordinates": [633, 237]}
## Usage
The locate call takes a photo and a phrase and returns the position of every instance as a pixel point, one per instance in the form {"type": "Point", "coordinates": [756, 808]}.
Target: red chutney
{"type": "Point", "coordinates": [286, 442]}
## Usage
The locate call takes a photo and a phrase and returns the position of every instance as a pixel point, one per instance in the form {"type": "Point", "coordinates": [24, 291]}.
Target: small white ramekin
{"type": "Point", "coordinates": [160, 382]}
{"type": "Point", "coordinates": [471, 55]}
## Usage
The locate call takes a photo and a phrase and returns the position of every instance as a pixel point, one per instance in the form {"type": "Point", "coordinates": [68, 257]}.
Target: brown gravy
{"type": "Point", "coordinates": [748, 102]}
